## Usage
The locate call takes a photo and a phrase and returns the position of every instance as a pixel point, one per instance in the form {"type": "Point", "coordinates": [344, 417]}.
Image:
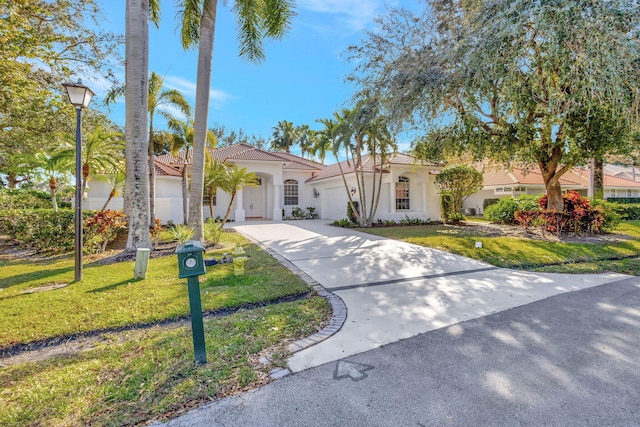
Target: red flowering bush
{"type": "Point", "coordinates": [103, 228]}
{"type": "Point", "coordinates": [577, 217]}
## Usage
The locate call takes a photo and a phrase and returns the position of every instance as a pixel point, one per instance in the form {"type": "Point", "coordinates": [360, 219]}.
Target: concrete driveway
{"type": "Point", "coordinates": [395, 290]}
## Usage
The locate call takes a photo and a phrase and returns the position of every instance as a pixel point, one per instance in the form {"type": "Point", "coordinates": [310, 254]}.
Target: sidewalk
{"type": "Point", "coordinates": [394, 290]}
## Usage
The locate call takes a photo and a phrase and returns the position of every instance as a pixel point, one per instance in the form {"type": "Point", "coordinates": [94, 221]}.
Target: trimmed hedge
{"type": "Point", "coordinates": [19, 198]}
{"type": "Point", "coordinates": [41, 229]}
{"type": "Point", "coordinates": [624, 200]}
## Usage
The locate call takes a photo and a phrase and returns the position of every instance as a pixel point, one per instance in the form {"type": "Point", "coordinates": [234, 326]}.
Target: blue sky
{"type": "Point", "coordinates": [301, 80]}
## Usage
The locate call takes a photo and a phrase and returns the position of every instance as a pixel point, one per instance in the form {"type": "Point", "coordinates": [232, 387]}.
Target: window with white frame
{"type": "Point", "coordinates": [402, 194]}
{"type": "Point", "coordinates": [290, 192]}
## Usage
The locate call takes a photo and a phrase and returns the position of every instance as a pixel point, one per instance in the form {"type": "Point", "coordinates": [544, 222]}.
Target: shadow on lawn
{"type": "Point", "coordinates": [114, 286]}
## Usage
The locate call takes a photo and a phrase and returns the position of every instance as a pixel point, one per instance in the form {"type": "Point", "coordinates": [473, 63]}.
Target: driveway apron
{"type": "Point", "coordinates": [395, 290]}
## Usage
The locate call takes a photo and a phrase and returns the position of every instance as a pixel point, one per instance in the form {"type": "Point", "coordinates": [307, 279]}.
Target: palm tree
{"type": "Point", "coordinates": [136, 200]}
{"type": "Point", "coordinates": [285, 135]}
{"type": "Point", "coordinates": [115, 179]}
{"type": "Point", "coordinates": [306, 139]}
{"type": "Point", "coordinates": [182, 133]}
{"type": "Point", "coordinates": [49, 166]}
{"type": "Point", "coordinates": [256, 20]}
{"type": "Point", "coordinates": [325, 139]}
{"type": "Point", "coordinates": [216, 175]}
{"type": "Point", "coordinates": [101, 152]}
{"type": "Point", "coordinates": [157, 99]}
{"type": "Point", "coordinates": [236, 179]}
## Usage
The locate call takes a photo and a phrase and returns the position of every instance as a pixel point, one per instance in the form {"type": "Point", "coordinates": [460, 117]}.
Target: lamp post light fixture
{"type": "Point", "coordinates": [79, 96]}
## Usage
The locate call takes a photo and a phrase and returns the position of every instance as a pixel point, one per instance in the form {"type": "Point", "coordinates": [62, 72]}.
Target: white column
{"type": "Point", "coordinates": [277, 208]}
{"type": "Point", "coordinates": [240, 216]}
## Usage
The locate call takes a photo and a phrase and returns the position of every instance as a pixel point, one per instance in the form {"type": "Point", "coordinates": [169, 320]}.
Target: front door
{"type": "Point", "coordinates": [253, 198]}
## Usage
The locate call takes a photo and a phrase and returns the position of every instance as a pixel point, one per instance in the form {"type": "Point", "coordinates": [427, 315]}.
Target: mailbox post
{"type": "Point", "coordinates": [190, 266]}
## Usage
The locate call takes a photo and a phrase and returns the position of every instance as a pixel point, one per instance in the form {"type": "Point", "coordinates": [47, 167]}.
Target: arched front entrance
{"type": "Point", "coordinates": [254, 202]}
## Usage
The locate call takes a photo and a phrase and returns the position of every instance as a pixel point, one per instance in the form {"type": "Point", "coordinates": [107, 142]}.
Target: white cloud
{"type": "Point", "coordinates": [217, 98]}
{"type": "Point", "coordinates": [357, 13]}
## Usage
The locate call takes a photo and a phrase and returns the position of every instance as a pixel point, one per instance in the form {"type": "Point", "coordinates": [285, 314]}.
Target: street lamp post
{"type": "Point", "coordinates": [79, 96]}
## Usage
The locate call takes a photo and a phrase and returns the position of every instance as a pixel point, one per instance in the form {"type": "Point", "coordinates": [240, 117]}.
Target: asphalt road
{"type": "Point", "coordinates": [568, 360]}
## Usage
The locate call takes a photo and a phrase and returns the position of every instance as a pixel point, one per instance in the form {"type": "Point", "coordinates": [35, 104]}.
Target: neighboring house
{"type": "Point", "coordinates": [288, 181]}
{"type": "Point", "coordinates": [502, 183]}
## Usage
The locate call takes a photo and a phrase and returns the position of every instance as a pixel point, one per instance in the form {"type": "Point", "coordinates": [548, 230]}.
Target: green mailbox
{"type": "Point", "coordinates": [190, 260]}
{"type": "Point", "coordinates": [191, 265]}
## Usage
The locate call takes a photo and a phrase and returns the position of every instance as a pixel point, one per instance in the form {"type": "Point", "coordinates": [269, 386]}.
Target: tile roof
{"type": "Point", "coordinates": [575, 178]}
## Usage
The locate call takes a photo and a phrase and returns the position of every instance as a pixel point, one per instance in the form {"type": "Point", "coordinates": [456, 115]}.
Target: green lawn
{"type": "Point", "coordinates": [140, 376]}
{"type": "Point", "coordinates": [526, 254]}
{"type": "Point", "coordinates": [143, 374]}
{"type": "Point", "coordinates": [108, 297]}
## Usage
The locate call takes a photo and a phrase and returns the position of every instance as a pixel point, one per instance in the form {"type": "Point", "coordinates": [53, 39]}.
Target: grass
{"type": "Point", "coordinates": [138, 375]}
{"type": "Point", "coordinates": [526, 254]}
{"type": "Point", "coordinates": [148, 375]}
{"type": "Point", "coordinates": [109, 298]}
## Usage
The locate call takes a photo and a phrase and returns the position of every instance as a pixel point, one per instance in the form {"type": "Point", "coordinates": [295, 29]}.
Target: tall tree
{"type": "Point", "coordinates": [216, 176]}
{"type": "Point", "coordinates": [102, 151]}
{"type": "Point", "coordinates": [505, 75]}
{"type": "Point", "coordinates": [136, 194]}
{"type": "Point", "coordinates": [158, 98]}
{"type": "Point", "coordinates": [285, 136]}
{"type": "Point", "coordinates": [256, 21]}
{"type": "Point", "coordinates": [181, 145]}
{"type": "Point", "coordinates": [236, 179]}
{"type": "Point", "coordinates": [367, 144]}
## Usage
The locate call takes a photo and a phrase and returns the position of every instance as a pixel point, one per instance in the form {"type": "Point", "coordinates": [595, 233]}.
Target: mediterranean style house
{"type": "Point", "coordinates": [287, 181]}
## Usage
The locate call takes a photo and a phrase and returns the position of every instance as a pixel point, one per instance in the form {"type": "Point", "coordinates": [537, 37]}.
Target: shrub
{"type": "Point", "coordinates": [20, 198]}
{"type": "Point", "coordinates": [311, 213]}
{"type": "Point", "coordinates": [624, 200]}
{"type": "Point", "coordinates": [504, 210]}
{"type": "Point", "coordinates": [447, 207]}
{"type": "Point", "coordinates": [626, 211]}
{"type": "Point", "coordinates": [156, 231]}
{"type": "Point", "coordinates": [612, 213]}
{"type": "Point", "coordinates": [488, 202]}
{"type": "Point", "coordinates": [353, 216]}
{"type": "Point", "coordinates": [212, 232]}
{"type": "Point", "coordinates": [344, 222]}
{"type": "Point", "coordinates": [182, 233]}
{"type": "Point", "coordinates": [102, 229]}
{"type": "Point", "coordinates": [578, 215]}
{"type": "Point", "coordinates": [42, 230]}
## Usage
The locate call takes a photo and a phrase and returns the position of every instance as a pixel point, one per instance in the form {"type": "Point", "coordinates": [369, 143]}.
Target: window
{"type": "Point", "coordinates": [629, 193]}
{"type": "Point", "coordinates": [612, 192]}
{"type": "Point", "coordinates": [205, 200]}
{"type": "Point", "coordinates": [290, 192]}
{"type": "Point", "coordinates": [402, 194]}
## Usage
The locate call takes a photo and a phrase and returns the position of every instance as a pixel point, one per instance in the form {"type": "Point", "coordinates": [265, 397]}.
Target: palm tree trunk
{"type": "Point", "coordinates": [152, 175]}
{"type": "Point", "coordinates": [111, 196]}
{"type": "Point", "coordinates": [53, 186]}
{"type": "Point", "coordinates": [228, 213]}
{"type": "Point", "coordinates": [136, 194]}
{"type": "Point", "coordinates": [185, 191]}
{"type": "Point", "coordinates": [205, 55]}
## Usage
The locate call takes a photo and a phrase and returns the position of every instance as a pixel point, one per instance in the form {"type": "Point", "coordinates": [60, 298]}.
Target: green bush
{"type": "Point", "coordinates": [353, 217]}
{"type": "Point", "coordinates": [504, 210]}
{"type": "Point", "coordinates": [612, 213]}
{"type": "Point", "coordinates": [447, 208]}
{"type": "Point", "coordinates": [19, 198]}
{"type": "Point", "coordinates": [624, 200]}
{"type": "Point", "coordinates": [488, 202]}
{"type": "Point", "coordinates": [41, 229]}
{"type": "Point", "coordinates": [626, 211]}
{"type": "Point", "coordinates": [212, 232]}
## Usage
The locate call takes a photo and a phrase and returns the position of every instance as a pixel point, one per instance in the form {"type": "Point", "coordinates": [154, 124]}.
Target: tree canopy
{"type": "Point", "coordinates": [510, 80]}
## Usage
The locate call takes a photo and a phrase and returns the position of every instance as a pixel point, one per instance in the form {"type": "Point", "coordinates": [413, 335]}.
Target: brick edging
{"type": "Point", "coordinates": [338, 307]}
